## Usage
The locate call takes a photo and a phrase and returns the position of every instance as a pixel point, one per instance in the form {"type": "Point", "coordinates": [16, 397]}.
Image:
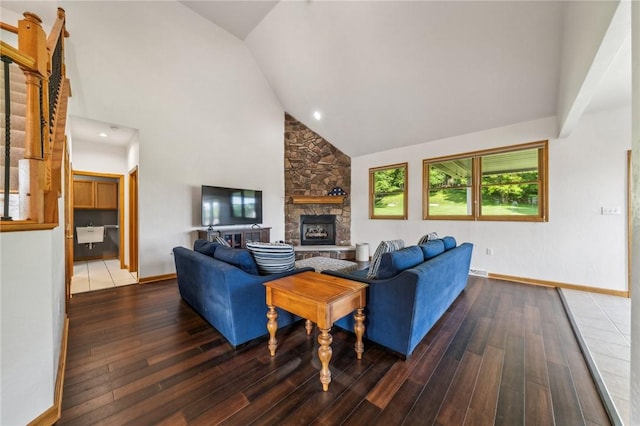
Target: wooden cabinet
{"type": "Point", "coordinates": [83, 194]}
{"type": "Point", "coordinates": [106, 195]}
{"type": "Point", "coordinates": [237, 238]}
{"type": "Point", "coordinates": [90, 194]}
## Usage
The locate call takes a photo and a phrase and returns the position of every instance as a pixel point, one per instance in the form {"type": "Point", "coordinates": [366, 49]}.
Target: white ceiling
{"type": "Point", "coordinates": [237, 17]}
{"type": "Point", "coordinates": [387, 74]}
{"type": "Point", "coordinates": [86, 130]}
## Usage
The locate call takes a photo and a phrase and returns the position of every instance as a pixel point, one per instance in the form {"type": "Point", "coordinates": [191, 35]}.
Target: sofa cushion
{"type": "Point", "coordinates": [395, 262]}
{"type": "Point", "coordinates": [428, 237]}
{"type": "Point", "coordinates": [432, 248]}
{"type": "Point", "coordinates": [383, 247]}
{"type": "Point", "coordinates": [205, 247]}
{"type": "Point", "coordinates": [449, 243]}
{"type": "Point", "coordinates": [240, 258]}
{"type": "Point", "coordinates": [272, 258]}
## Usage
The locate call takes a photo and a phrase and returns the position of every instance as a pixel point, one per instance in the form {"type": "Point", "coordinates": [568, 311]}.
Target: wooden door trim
{"type": "Point", "coordinates": [133, 220]}
{"type": "Point", "coordinates": [120, 205]}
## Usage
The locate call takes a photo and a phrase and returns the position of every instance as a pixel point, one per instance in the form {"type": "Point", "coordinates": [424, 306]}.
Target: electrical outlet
{"type": "Point", "coordinates": [606, 210]}
{"type": "Point", "coordinates": [490, 251]}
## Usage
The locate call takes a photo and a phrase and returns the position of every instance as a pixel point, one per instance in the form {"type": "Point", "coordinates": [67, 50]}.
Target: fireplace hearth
{"type": "Point", "coordinates": [317, 229]}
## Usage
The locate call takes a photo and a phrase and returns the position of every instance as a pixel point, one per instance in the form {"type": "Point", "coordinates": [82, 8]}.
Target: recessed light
{"type": "Point", "coordinates": [102, 134]}
{"type": "Point", "coordinates": [317, 115]}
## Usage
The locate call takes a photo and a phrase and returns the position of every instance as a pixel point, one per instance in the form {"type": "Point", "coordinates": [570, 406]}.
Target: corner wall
{"type": "Point", "coordinates": [205, 113]}
{"type": "Point", "coordinates": [578, 245]}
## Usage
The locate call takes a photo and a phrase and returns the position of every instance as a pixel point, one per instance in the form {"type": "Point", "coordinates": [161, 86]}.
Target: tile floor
{"type": "Point", "coordinates": [98, 274]}
{"type": "Point", "coordinates": [604, 323]}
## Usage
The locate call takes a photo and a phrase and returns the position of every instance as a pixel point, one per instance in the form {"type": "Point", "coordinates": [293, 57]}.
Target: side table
{"type": "Point", "coordinates": [320, 299]}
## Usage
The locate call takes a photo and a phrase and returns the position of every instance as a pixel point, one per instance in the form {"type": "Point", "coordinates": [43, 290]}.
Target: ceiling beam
{"type": "Point", "coordinates": [574, 92]}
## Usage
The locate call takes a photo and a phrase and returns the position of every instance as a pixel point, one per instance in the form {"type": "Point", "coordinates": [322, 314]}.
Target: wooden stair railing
{"type": "Point", "coordinates": [41, 59]}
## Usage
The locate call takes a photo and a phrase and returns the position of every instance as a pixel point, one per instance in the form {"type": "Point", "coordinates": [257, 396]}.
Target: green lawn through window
{"type": "Point", "coordinates": [449, 203]}
{"type": "Point", "coordinates": [390, 205]}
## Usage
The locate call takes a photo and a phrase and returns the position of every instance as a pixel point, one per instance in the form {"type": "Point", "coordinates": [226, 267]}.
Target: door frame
{"type": "Point", "coordinates": [629, 219]}
{"type": "Point", "coordinates": [68, 224]}
{"type": "Point", "coordinates": [133, 220]}
{"type": "Point", "coordinates": [120, 206]}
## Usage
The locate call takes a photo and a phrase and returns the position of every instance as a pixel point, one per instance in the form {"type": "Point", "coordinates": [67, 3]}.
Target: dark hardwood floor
{"type": "Point", "coordinates": [504, 353]}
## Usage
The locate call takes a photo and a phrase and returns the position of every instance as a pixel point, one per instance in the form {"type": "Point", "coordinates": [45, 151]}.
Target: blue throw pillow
{"type": "Point", "coordinates": [205, 247]}
{"type": "Point", "coordinates": [395, 262]}
{"type": "Point", "coordinates": [240, 258]}
{"type": "Point", "coordinates": [432, 248]}
{"type": "Point", "coordinates": [449, 243]}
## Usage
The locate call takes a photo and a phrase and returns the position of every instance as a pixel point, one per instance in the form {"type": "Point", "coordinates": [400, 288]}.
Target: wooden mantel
{"type": "Point", "coordinates": [318, 199]}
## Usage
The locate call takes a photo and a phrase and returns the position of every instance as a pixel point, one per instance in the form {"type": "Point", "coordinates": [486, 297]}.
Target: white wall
{"type": "Point", "coordinates": [204, 111]}
{"type": "Point", "coordinates": [31, 316]}
{"type": "Point", "coordinates": [635, 291]}
{"type": "Point", "coordinates": [578, 245]}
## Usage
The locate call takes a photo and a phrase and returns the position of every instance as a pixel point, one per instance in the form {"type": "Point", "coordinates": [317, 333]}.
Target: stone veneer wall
{"type": "Point", "coordinates": [312, 166]}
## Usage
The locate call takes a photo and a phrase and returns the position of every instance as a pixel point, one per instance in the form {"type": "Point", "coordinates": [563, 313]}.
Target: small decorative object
{"type": "Point", "coordinates": [337, 191]}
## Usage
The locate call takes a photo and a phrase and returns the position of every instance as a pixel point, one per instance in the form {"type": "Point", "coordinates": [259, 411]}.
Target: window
{"type": "Point", "coordinates": [388, 192]}
{"type": "Point", "coordinates": [500, 184]}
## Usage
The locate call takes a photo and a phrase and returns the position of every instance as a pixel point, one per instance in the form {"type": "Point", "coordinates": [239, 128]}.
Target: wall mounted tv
{"type": "Point", "coordinates": [230, 206]}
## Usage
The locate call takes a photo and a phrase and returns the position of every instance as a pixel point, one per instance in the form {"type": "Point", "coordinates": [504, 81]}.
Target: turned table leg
{"type": "Point", "coordinates": [309, 326]}
{"type": "Point", "coordinates": [324, 353]}
{"type": "Point", "coordinates": [358, 328]}
{"type": "Point", "coordinates": [272, 326]}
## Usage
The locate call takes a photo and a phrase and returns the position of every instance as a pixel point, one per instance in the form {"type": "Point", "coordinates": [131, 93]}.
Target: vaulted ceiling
{"type": "Point", "coordinates": [387, 74]}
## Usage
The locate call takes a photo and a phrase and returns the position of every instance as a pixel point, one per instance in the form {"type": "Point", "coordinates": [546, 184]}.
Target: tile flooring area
{"type": "Point", "coordinates": [98, 274]}
{"type": "Point", "coordinates": [604, 323]}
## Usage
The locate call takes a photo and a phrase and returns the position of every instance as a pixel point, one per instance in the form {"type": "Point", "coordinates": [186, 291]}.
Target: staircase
{"type": "Point", "coordinates": [39, 92]}
{"type": "Point", "coordinates": [18, 91]}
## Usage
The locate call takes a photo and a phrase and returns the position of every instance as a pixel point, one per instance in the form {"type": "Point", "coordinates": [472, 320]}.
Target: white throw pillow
{"type": "Point", "coordinates": [272, 258]}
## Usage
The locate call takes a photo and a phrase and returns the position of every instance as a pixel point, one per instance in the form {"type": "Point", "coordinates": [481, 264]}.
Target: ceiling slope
{"type": "Point", "coordinates": [392, 74]}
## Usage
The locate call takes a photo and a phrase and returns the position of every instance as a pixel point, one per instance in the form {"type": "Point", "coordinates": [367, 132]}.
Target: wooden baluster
{"type": "Point", "coordinates": [32, 42]}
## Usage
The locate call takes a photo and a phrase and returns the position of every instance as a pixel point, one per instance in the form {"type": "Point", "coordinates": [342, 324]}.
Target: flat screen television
{"type": "Point", "coordinates": [230, 206]}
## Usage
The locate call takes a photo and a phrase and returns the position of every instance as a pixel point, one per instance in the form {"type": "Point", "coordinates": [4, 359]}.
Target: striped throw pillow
{"type": "Point", "coordinates": [222, 241]}
{"type": "Point", "coordinates": [428, 237]}
{"type": "Point", "coordinates": [272, 258]}
{"type": "Point", "coordinates": [383, 247]}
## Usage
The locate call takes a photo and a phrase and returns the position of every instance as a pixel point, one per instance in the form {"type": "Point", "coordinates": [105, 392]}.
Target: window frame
{"type": "Point", "coordinates": [405, 192]}
{"type": "Point", "coordinates": [476, 184]}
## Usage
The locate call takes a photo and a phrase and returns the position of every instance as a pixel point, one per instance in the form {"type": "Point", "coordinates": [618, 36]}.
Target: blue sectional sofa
{"type": "Point", "coordinates": [223, 285]}
{"type": "Point", "coordinates": [412, 289]}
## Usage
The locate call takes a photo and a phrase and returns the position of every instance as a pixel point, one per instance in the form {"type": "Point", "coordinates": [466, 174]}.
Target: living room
{"type": "Point", "coordinates": [208, 114]}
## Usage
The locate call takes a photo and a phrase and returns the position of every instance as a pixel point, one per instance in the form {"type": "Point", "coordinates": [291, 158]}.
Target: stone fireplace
{"type": "Point", "coordinates": [317, 229]}
{"type": "Point", "coordinates": [312, 168]}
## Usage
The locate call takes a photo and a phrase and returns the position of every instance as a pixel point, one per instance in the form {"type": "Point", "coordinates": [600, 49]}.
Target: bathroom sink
{"type": "Point", "coordinates": [90, 234]}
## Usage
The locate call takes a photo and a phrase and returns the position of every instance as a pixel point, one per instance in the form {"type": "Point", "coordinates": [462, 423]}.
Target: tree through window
{"type": "Point", "coordinates": [388, 192]}
{"type": "Point", "coordinates": [500, 184]}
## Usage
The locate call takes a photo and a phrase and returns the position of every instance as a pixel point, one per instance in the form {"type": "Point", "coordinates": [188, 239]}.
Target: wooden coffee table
{"type": "Point", "coordinates": [321, 299]}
